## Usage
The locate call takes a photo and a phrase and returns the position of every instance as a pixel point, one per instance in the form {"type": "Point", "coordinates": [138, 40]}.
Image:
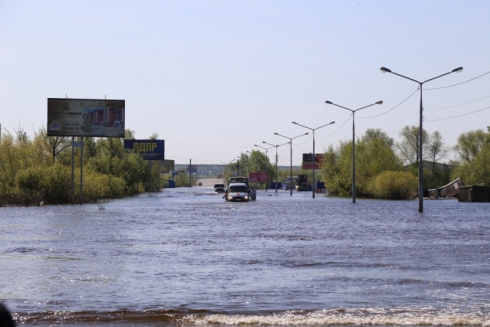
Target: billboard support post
{"type": "Point", "coordinates": [148, 175]}
{"type": "Point", "coordinates": [313, 182]}
{"type": "Point", "coordinates": [72, 170]}
{"type": "Point", "coordinates": [81, 171]}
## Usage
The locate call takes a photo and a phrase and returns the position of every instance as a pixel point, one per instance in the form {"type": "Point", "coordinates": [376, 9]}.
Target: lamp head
{"type": "Point", "coordinates": [332, 122]}
{"type": "Point", "coordinates": [276, 134]}
{"type": "Point", "coordinates": [385, 70]}
{"type": "Point", "coordinates": [255, 145]}
{"type": "Point", "coordinates": [295, 123]}
{"type": "Point", "coordinates": [379, 102]}
{"type": "Point", "coordinates": [457, 70]}
{"type": "Point", "coordinates": [328, 102]}
{"type": "Point", "coordinates": [264, 142]}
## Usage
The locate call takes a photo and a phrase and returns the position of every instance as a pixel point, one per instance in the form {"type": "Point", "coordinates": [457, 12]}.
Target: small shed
{"type": "Point", "coordinates": [473, 193]}
{"type": "Point", "coordinates": [447, 191]}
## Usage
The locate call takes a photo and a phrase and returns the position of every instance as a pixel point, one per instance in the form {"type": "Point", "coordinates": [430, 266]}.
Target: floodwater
{"type": "Point", "coordinates": [185, 257]}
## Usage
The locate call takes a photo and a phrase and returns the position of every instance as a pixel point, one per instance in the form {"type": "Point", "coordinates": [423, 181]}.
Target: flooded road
{"type": "Point", "coordinates": [186, 257]}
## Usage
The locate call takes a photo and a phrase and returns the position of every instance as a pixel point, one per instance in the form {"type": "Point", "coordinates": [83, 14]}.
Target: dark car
{"type": "Point", "coordinates": [219, 188]}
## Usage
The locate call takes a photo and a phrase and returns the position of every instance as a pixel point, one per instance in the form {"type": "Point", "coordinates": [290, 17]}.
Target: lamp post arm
{"type": "Point", "coordinates": [436, 77]}
{"type": "Point", "coordinates": [368, 106]}
{"type": "Point", "coordinates": [332, 122]}
{"type": "Point", "coordinates": [409, 78]}
{"type": "Point", "coordinates": [333, 104]}
{"type": "Point", "coordinates": [303, 126]}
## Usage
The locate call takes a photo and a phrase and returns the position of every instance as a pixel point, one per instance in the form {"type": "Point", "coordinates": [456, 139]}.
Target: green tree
{"type": "Point", "coordinates": [374, 154]}
{"type": "Point", "coordinates": [436, 149]}
{"type": "Point", "coordinates": [409, 145]}
{"type": "Point", "coordinates": [470, 143]}
{"type": "Point", "coordinates": [474, 158]}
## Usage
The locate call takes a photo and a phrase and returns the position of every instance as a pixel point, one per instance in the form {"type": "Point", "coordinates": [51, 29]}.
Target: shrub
{"type": "Point", "coordinates": [394, 185]}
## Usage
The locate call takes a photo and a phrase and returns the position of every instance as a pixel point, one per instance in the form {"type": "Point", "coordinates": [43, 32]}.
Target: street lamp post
{"type": "Point", "coordinates": [313, 184]}
{"type": "Point", "coordinates": [266, 150]}
{"type": "Point", "coordinates": [421, 170]}
{"type": "Point", "coordinates": [276, 146]}
{"type": "Point", "coordinates": [291, 156]}
{"type": "Point", "coordinates": [248, 160]}
{"type": "Point", "coordinates": [353, 145]}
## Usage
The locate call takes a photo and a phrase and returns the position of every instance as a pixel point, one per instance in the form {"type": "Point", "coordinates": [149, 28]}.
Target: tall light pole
{"type": "Point", "coordinates": [421, 170]}
{"type": "Point", "coordinates": [353, 145]}
{"type": "Point", "coordinates": [313, 183]}
{"type": "Point", "coordinates": [276, 146]}
{"type": "Point", "coordinates": [291, 156]}
{"type": "Point", "coordinates": [248, 160]}
{"type": "Point", "coordinates": [266, 150]}
{"type": "Point", "coordinates": [238, 162]}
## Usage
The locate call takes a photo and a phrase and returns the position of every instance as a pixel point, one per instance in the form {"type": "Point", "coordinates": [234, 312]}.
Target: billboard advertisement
{"type": "Point", "coordinates": [308, 157]}
{"type": "Point", "coordinates": [85, 117]}
{"type": "Point", "coordinates": [258, 177]}
{"type": "Point", "coordinates": [167, 165]}
{"type": "Point", "coordinates": [147, 149]}
{"type": "Point", "coordinates": [309, 165]}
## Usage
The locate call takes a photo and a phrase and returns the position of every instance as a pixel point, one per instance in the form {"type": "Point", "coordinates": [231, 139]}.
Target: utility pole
{"type": "Point", "coordinates": [190, 172]}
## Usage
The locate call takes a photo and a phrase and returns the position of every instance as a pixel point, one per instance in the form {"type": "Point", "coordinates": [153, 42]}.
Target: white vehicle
{"type": "Point", "coordinates": [239, 190]}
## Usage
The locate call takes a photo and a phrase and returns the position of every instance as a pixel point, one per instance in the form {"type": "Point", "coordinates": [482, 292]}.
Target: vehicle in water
{"type": "Point", "coordinates": [239, 190]}
{"type": "Point", "coordinates": [302, 184]}
{"type": "Point", "coordinates": [219, 188]}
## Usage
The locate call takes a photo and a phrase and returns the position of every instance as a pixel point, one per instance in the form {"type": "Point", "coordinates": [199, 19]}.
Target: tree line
{"type": "Point", "coordinates": [38, 169]}
{"type": "Point", "coordinates": [387, 169]}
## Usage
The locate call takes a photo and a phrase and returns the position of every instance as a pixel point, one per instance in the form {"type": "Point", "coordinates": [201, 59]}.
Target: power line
{"type": "Point", "coordinates": [320, 136]}
{"type": "Point", "coordinates": [445, 87]}
{"type": "Point", "coordinates": [399, 121]}
{"type": "Point", "coordinates": [468, 113]}
{"type": "Point", "coordinates": [391, 108]}
{"type": "Point", "coordinates": [457, 105]}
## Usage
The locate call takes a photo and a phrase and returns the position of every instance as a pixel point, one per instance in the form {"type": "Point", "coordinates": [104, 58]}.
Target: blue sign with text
{"type": "Point", "coordinates": [147, 149]}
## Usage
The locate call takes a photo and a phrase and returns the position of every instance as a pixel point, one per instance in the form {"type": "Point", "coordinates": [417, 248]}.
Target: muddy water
{"type": "Point", "coordinates": [186, 257]}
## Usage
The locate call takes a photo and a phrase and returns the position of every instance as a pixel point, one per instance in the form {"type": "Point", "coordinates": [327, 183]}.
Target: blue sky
{"type": "Point", "coordinates": [213, 78]}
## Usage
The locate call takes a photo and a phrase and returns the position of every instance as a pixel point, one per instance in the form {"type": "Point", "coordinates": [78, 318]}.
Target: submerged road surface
{"type": "Point", "coordinates": [186, 257]}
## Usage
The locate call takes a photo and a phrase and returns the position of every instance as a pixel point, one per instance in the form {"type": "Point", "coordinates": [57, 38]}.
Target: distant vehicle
{"type": "Point", "coordinates": [302, 184]}
{"type": "Point", "coordinates": [219, 188]}
{"type": "Point", "coordinates": [199, 184]}
{"type": "Point", "coordinates": [239, 190]}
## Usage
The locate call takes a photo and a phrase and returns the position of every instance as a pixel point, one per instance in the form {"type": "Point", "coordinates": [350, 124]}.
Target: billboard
{"type": "Point", "coordinates": [309, 165]}
{"type": "Point", "coordinates": [258, 177]}
{"type": "Point", "coordinates": [147, 149]}
{"type": "Point", "coordinates": [167, 165]}
{"type": "Point", "coordinates": [308, 157]}
{"type": "Point", "coordinates": [85, 117]}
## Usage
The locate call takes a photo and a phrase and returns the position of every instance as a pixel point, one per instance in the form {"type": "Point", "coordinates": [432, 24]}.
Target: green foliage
{"type": "Point", "coordinates": [51, 184]}
{"type": "Point", "coordinates": [469, 144]}
{"type": "Point", "coordinates": [253, 161]}
{"type": "Point", "coordinates": [394, 185]}
{"type": "Point", "coordinates": [39, 169]}
{"type": "Point", "coordinates": [473, 164]}
{"type": "Point", "coordinates": [476, 171]}
{"type": "Point", "coordinates": [410, 144]}
{"type": "Point", "coordinates": [182, 179]}
{"type": "Point", "coordinates": [374, 154]}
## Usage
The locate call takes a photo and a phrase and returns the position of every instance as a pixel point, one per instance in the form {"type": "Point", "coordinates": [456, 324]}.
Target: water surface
{"type": "Point", "coordinates": [186, 257]}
